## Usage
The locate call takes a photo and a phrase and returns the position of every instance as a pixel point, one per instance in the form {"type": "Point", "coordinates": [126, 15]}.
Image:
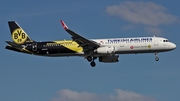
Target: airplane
{"type": "Point", "coordinates": [106, 50]}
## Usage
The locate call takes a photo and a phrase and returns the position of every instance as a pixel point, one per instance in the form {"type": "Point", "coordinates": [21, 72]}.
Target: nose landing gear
{"type": "Point", "coordinates": [156, 57]}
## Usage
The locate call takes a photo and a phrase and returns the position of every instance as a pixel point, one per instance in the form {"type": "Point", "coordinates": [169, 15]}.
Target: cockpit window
{"type": "Point", "coordinates": [165, 40]}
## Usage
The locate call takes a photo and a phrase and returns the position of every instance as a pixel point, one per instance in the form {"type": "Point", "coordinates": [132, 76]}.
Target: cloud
{"type": "Point", "coordinates": [68, 95]}
{"type": "Point", "coordinates": [144, 13]}
{"type": "Point", "coordinates": [129, 96]}
{"type": "Point", "coordinates": [147, 13]}
{"type": "Point", "coordinates": [155, 30]}
{"type": "Point", "coordinates": [128, 27]}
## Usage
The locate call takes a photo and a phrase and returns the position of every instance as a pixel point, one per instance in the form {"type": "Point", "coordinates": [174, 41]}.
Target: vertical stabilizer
{"type": "Point", "coordinates": [19, 36]}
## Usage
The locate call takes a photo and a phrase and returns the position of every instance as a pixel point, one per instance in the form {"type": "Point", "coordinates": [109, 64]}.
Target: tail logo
{"type": "Point", "coordinates": [19, 36]}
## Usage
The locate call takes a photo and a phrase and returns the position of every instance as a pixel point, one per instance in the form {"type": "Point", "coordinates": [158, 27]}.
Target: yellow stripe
{"type": "Point", "coordinates": [72, 45]}
{"type": "Point", "coordinates": [27, 51]}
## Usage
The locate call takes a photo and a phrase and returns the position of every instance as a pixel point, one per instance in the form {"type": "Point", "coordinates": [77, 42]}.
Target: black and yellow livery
{"type": "Point", "coordinates": [23, 43]}
{"type": "Point", "coordinates": [106, 50]}
{"type": "Point", "coordinates": [78, 46]}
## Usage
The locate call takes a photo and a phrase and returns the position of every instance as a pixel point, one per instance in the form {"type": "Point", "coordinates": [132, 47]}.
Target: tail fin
{"type": "Point", "coordinates": [19, 36]}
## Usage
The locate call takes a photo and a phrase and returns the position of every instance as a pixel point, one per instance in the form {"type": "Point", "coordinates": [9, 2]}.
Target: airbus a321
{"type": "Point", "coordinates": [106, 50]}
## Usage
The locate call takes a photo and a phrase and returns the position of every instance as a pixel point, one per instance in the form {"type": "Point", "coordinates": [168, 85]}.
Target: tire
{"type": "Point", "coordinates": [157, 59]}
{"type": "Point", "coordinates": [93, 64]}
{"type": "Point", "coordinates": [89, 58]}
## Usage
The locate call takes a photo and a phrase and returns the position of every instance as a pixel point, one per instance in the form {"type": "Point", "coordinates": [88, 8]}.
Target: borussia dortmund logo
{"type": "Point", "coordinates": [19, 36]}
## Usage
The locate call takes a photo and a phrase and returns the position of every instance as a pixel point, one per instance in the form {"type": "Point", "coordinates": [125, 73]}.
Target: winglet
{"type": "Point", "coordinates": [64, 25]}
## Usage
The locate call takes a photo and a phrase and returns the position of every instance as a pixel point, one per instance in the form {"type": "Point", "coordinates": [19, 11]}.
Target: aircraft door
{"type": "Point", "coordinates": [121, 44]}
{"type": "Point", "coordinates": [34, 47]}
{"type": "Point", "coordinates": [156, 42]}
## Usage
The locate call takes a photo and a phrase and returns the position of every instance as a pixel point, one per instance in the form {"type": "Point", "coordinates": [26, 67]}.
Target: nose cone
{"type": "Point", "coordinates": [173, 46]}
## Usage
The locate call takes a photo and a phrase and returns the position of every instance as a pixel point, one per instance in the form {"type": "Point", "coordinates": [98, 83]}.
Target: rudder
{"type": "Point", "coordinates": [19, 36]}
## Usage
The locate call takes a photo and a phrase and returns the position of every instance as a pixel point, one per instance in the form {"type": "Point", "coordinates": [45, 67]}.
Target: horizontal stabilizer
{"type": "Point", "coordinates": [14, 45]}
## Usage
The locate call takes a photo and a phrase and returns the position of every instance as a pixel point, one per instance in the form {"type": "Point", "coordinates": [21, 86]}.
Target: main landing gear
{"type": "Point", "coordinates": [156, 57]}
{"type": "Point", "coordinates": [91, 60]}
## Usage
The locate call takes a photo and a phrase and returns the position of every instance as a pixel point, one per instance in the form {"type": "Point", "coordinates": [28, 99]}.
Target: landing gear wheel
{"type": "Point", "coordinates": [93, 64]}
{"type": "Point", "coordinates": [157, 59]}
{"type": "Point", "coordinates": [89, 58]}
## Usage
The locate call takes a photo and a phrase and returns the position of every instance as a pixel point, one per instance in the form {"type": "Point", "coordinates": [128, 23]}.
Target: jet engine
{"type": "Point", "coordinates": [109, 59]}
{"type": "Point", "coordinates": [105, 50]}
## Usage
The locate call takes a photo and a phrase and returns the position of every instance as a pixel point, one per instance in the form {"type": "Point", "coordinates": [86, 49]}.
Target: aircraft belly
{"type": "Point", "coordinates": [55, 50]}
{"type": "Point", "coordinates": [138, 48]}
{"type": "Point", "coordinates": [128, 50]}
{"type": "Point", "coordinates": [63, 54]}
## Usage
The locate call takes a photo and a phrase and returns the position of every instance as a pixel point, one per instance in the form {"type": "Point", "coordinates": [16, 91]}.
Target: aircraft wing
{"type": "Point", "coordinates": [83, 42]}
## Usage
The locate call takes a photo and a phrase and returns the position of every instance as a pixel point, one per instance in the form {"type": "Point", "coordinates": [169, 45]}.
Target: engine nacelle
{"type": "Point", "coordinates": [110, 59]}
{"type": "Point", "coordinates": [105, 50]}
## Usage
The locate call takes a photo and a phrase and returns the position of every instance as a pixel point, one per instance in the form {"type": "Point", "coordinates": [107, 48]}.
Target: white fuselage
{"type": "Point", "coordinates": [138, 44]}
